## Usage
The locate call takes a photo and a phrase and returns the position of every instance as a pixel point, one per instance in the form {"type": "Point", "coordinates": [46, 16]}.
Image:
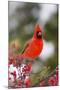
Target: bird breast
{"type": "Point", "coordinates": [34, 49]}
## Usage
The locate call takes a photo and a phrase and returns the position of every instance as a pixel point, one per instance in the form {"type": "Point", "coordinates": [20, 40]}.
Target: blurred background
{"type": "Point", "coordinates": [22, 18]}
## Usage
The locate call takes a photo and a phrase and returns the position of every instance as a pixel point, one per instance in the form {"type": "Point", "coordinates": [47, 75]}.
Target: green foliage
{"type": "Point", "coordinates": [51, 28]}
{"type": "Point", "coordinates": [36, 78]}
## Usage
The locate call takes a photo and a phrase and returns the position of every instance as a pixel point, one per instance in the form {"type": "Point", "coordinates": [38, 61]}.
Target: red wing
{"type": "Point", "coordinates": [26, 46]}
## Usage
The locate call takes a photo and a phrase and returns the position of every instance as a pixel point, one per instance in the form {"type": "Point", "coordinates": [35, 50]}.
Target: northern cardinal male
{"type": "Point", "coordinates": [34, 46]}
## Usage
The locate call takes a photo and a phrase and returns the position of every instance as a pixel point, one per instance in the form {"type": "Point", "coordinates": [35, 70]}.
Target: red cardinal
{"type": "Point", "coordinates": [34, 46]}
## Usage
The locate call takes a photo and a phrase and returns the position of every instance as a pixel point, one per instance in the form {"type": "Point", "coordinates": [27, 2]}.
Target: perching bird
{"type": "Point", "coordinates": [34, 46]}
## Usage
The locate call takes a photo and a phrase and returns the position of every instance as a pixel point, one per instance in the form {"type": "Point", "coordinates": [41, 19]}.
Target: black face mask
{"type": "Point", "coordinates": [39, 35]}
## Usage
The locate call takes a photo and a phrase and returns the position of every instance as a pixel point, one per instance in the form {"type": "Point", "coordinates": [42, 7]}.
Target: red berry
{"type": "Point", "coordinates": [26, 68]}
{"type": "Point", "coordinates": [19, 82]}
{"type": "Point", "coordinates": [56, 77]}
{"type": "Point", "coordinates": [42, 83]}
{"type": "Point", "coordinates": [10, 60]}
{"type": "Point", "coordinates": [51, 81]}
{"type": "Point", "coordinates": [14, 74]}
{"type": "Point", "coordinates": [9, 78]}
{"type": "Point", "coordinates": [56, 72]}
{"type": "Point", "coordinates": [24, 76]}
{"type": "Point", "coordinates": [56, 68]}
{"type": "Point", "coordinates": [27, 82]}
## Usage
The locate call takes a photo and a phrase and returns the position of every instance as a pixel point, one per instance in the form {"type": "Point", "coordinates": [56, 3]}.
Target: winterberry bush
{"type": "Point", "coordinates": [20, 74]}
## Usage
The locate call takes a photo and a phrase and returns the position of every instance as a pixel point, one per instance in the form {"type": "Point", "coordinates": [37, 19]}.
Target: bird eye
{"type": "Point", "coordinates": [39, 35]}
